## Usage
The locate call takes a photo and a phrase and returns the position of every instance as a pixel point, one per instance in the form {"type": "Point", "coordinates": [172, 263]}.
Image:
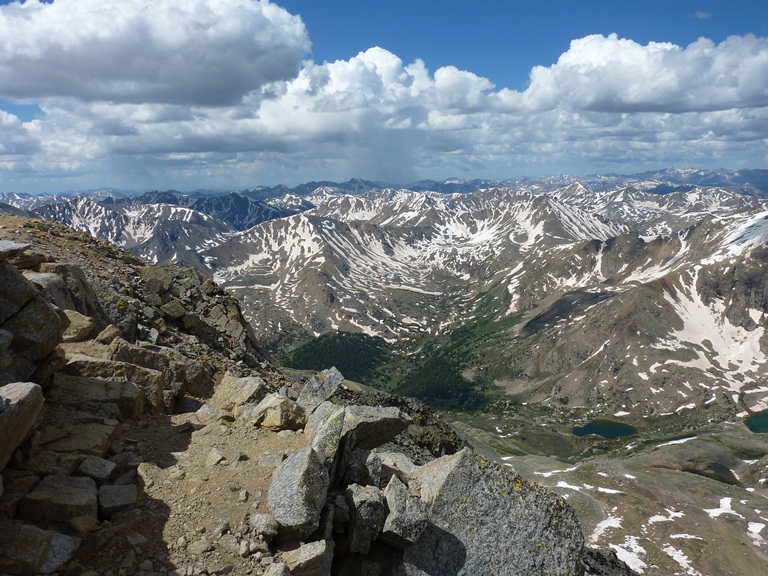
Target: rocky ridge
{"type": "Point", "coordinates": [145, 432]}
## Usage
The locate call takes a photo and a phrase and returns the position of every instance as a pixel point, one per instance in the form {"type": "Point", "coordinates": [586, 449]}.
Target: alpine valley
{"type": "Point", "coordinates": [521, 309]}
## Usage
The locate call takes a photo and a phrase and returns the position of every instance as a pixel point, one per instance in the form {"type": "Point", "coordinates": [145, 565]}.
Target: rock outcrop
{"type": "Point", "coordinates": [86, 348]}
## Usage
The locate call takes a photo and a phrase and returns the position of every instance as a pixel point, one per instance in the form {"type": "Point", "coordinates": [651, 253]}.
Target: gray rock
{"type": "Point", "coordinates": [15, 291]}
{"type": "Point", "coordinates": [123, 351]}
{"type": "Point", "coordinates": [10, 249]}
{"type": "Point", "coordinates": [23, 548]}
{"type": "Point", "coordinates": [407, 516]}
{"type": "Point", "coordinates": [369, 427]}
{"type": "Point", "coordinates": [151, 381]}
{"type": "Point", "coordinates": [363, 467]}
{"type": "Point", "coordinates": [157, 279]}
{"type": "Point", "coordinates": [93, 438]}
{"type": "Point", "coordinates": [274, 412]}
{"type": "Point", "coordinates": [470, 502]}
{"type": "Point", "coordinates": [208, 414]}
{"type": "Point", "coordinates": [324, 430]}
{"type": "Point", "coordinates": [233, 391]}
{"type": "Point", "coordinates": [297, 494]}
{"type": "Point", "coordinates": [149, 474]}
{"type": "Point", "coordinates": [114, 499]}
{"type": "Point", "coordinates": [20, 404]}
{"type": "Point", "coordinates": [319, 388]}
{"type": "Point", "coordinates": [52, 287]}
{"type": "Point", "coordinates": [272, 460]}
{"type": "Point", "coordinates": [312, 559]}
{"type": "Point", "coordinates": [395, 464]}
{"type": "Point", "coordinates": [30, 258]}
{"type": "Point", "coordinates": [200, 547]}
{"type": "Point", "coordinates": [79, 294]}
{"type": "Point", "coordinates": [277, 569]}
{"type": "Point", "coordinates": [37, 329]}
{"type": "Point", "coordinates": [58, 499]}
{"type": "Point", "coordinates": [265, 525]}
{"type": "Point", "coordinates": [199, 379]}
{"type": "Point", "coordinates": [77, 390]}
{"type": "Point", "coordinates": [174, 309]}
{"type": "Point", "coordinates": [97, 468]}
{"type": "Point", "coordinates": [366, 516]}
{"type": "Point", "coordinates": [16, 487]}
{"type": "Point", "coordinates": [60, 552]}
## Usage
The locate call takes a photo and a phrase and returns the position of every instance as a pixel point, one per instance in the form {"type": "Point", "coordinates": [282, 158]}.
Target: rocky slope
{"type": "Point", "coordinates": [145, 432]}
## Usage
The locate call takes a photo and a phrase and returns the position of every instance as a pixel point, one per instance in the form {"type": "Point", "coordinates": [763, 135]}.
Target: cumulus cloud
{"type": "Point", "coordinates": [205, 52]}
{"type": "Point", "coordinates": [610, 74]}
{"type": "Point", "coordinates": [214, 93]}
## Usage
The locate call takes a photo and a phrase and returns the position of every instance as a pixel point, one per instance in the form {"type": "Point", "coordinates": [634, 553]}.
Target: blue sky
{"type": "Point", "coordinates": [503, 40]}
{"type": "Point", "coordinates": [189, 94]}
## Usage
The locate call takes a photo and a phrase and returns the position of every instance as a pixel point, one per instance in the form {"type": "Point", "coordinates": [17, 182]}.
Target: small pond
{"type": "Point", "coordinates": [606, 429]}
{"type": "Point", "coordinates": [758, 422]}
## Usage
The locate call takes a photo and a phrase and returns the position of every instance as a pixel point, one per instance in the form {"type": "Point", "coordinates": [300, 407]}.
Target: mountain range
{"type": "Point", "coordinates": [602, 295]}
{"type": "Point", "coordinates": [521, 308]}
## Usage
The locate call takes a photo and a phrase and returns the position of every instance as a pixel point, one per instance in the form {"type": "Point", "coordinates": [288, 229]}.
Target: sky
{"type": "Point", "coordinates": [190, 94]}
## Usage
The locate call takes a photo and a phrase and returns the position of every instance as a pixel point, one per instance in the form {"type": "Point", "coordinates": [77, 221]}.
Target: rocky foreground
{"type": "Point", "coordinates": [145, 432]}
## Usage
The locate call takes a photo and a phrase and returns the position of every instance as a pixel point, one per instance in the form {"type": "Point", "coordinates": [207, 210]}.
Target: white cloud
{"type": "Point", "coordinates": [214, 94]}
{"type": "Point", "coordinates": [207, 52]}
{"type": "Point", "coordinates": [610, 74]}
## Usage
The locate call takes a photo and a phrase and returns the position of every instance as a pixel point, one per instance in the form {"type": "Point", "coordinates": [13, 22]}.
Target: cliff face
{"type": "Point", "coordinates": [145, 432]}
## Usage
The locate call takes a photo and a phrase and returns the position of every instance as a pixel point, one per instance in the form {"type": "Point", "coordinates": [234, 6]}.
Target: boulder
{"type": "Point", "coordinates": [208, 414]}
{"type": "Point", "coordinates": [10, 249]}
{"type": "Point", "coordinates": [97, 468]}
{"type": "Point", "coordinates": [80, 327]}
{"type": "Point", "coordinates": [369, 427]}
{"type": "Point", "coordinates": [114, 499]}
{"type": "Point", "coordinates": [471, 503]}
{"type": "Point", "coordinates": [312, 559]}
{"type": "Point", "coordinates": [60, 551]}
{"type": "Point", "coordinates": [395, 464]}
{"type": "Point", "coordinates": [37, 329]}
{"type": "Point", "coordinates": [324, 430]}
{"type": "Point", "coordinates": [59, 499]}
{"type": "Point", "coordinates": [157, 279]}
{"type": "Point", "coordinates": [173, 309]}
{"type": "Point", "coordinates": [275, 412]}
{"type": "Point", "coordinates": [23, 548]}
{"type": "Point", "coordinates": [233, 391]}
{"type": "Point", "coordinates": [366, 516]}
{"type": "Point", "coordinates": [30, 258]}
{"type": "Point", "coordinates": [20, 404]}
{"type": "Point", "coordinates": [16, 485]}
{"type": "Point", "coordinates": [297, 494]}
{"type": "Point", "coordinates": [15, 291]}
{"type": "Point", "coordinates": [151, 381]}
{"type": "Point", "coordinates": [277, 569]}
{"type": "Point", "coordinates": [146, 357]}
{"type": "Point", "coordinates": [109, 333]}
{"type": "Point", "coordinates": [362, 467]}
{"type": "Point", "coordinates": [80, 295]}
{"type": "Point", "coordinates": [319, 389]}
{"type": "Point", "coordinates": [264, 525]}
{"type": "Point", "coordinates": [406, 518]}
{"type": "Point", "coordinates": [77, 391]}
{"type": "Point", "coordinates": [93, 438]}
